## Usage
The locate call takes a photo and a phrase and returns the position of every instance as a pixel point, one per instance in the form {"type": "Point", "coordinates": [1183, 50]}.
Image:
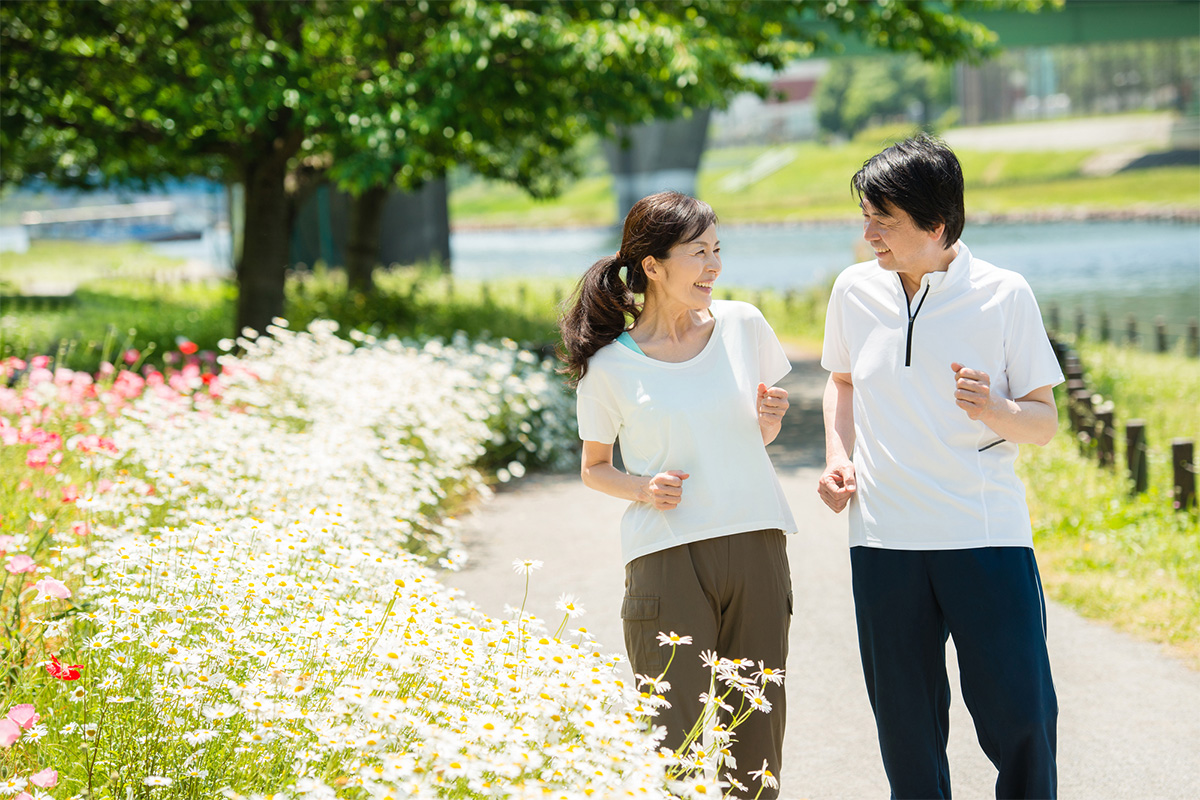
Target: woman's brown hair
{"type": "Point", "coordinates": [596, 312]}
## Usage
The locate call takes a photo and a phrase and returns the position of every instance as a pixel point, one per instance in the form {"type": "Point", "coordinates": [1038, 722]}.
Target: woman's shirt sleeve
{"type": "Point", "coordinates": [599, 421]}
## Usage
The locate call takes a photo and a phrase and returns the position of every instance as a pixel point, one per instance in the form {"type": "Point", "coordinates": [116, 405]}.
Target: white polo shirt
{"type": "Point", "coordinates": [699, 416]}
{"type": "Point", "coordinates": [929, 477]}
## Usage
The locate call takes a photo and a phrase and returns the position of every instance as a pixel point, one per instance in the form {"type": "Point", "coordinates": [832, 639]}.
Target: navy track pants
{"type": "Point", "coordinates": [907, 602]}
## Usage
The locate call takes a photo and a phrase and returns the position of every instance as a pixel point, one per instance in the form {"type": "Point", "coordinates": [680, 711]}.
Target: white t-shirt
{"type": "Point", "coordinates": [698, 416]}
{"type": "Point", "coordinates": [929, 477]}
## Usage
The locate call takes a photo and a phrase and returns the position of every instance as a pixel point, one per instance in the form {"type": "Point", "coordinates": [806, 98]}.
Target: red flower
{"type": "Point", "coordinates": [187, 348]}
{"type": "Point", "coordinates": [63, 673]}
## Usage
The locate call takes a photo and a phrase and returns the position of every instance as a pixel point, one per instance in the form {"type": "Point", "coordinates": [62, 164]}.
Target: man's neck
{"type": "Point", "coordinates": [911, 279]}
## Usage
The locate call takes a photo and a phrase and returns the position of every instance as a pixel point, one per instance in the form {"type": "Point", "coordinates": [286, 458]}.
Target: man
{"type": "Point", "coordinates": [940, 367]}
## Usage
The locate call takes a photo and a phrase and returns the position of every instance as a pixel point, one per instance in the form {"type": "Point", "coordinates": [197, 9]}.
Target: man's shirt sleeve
{"type": "Point", "coordinates": [835, 350]}
{"type": "Point", "coordinates": [1029, 358]}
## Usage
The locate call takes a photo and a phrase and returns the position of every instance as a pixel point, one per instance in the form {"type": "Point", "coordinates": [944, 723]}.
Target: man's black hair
{"type": "Point", "coordinates": [922, 177]}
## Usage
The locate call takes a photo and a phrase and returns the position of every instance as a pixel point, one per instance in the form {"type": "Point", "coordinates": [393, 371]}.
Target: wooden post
{"type": "Point", "coordinates": [1081, 402]}
{"type": "Point", "coordinates": [449, 287]}
{"type": "Point", "coordinates": [1193, 339]}
{"type": "Point", "coordinates": [1075, 389]}
{"type": "Point", "coordinates": [1060, 352]}
{"type": "Point", "coordinates": [1052, 317]}
{"type": "Point", "coordinates": [1104, 326]}
{"type": "Point", "coordinates": [1131, 329]}
{"type": "Point", "coordinates": [1105, 441]}
{"type": "Point", "coordinates": [1073, 367]}
{"type": "Point", "coordinates": [1160, 334]}
{"type": "Point", "coordinates": [1182, 454]}
{"type": "Point", "coordinates": [789, 301]}
{"type": "Point", "coordinates": [522, 295]}
{"type": "Point", "coordinates": [1080, 324]}
{"type": "Point", "coordinates": [1135, 454]}
{"type": "Point", "coordinates": [558, 296]}
{"type": "Point", "coordinates": [486, 293]}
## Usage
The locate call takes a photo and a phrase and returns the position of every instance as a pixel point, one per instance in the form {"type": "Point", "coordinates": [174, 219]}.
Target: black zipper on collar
{"type": "Point", "coordinates": [912, 317]}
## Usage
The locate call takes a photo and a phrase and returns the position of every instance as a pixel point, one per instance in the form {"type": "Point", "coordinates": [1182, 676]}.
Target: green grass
{"type": "Point", "coordinates": [1132, 561]}
{"type": "Point", "coordinates": [587, 201]}
{"type": "Point", "coordinates": [67, 262]}
{"type": "Point", "coordinates": [816, 186]}
{"type": "Point", "coordinates": [113, 315]}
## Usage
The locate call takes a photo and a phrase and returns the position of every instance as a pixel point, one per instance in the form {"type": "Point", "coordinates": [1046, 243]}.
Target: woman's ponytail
{"type": "Point", "coordinates": [602, 303]}
{"type": "Point", "coordinates": [595, 315]}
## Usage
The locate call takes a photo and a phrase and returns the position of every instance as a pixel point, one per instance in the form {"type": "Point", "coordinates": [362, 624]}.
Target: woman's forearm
{"type": "Point", "coordinates": [604, 477]}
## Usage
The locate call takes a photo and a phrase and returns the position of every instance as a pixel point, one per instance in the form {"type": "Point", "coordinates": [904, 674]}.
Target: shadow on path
{"type": "Point", "coordinates": [801, 440]}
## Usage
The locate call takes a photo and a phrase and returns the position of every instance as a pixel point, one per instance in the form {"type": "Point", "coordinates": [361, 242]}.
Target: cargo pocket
{"type": "Point", "coordinates": [639, 617]}
{"type": "Point", "coordinates": [787, 623]}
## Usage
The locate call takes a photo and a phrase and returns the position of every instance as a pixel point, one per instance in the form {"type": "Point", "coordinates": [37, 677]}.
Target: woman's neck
{"type": "Point", "coordinates": [672, 334]}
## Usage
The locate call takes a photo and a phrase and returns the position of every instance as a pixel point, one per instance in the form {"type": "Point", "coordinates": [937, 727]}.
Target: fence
{"type": "Point", "coordinates": [1092, 420]}
{"type": "Point", "coordinates": [1162, 337]}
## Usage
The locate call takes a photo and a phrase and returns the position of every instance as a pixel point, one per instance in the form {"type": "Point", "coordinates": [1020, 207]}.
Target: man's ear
{"type": "Point", "coordinates": [938, 232]}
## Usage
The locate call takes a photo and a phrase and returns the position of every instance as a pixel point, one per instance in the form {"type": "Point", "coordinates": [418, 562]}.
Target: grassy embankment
{"type": "Point", "coordinates": [815, 185]}
{"type": "Point", "coordinates": [1132, 561]}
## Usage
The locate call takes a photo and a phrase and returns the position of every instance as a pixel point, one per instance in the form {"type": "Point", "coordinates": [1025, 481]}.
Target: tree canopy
{"type": "Point", "coordinates": [388, 93]}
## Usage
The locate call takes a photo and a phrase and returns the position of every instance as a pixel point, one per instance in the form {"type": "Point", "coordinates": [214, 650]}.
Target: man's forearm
{"type": "Point", "coordinates": [837, 405]}
{"type": "Point", "coordinates": [1024, 421]}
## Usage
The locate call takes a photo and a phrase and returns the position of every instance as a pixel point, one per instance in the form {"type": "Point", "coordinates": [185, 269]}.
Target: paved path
{"type": "Point", "coordinates": [1129, 723]}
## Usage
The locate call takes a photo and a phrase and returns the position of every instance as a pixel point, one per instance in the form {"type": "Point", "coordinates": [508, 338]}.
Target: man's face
{"type": "Point", "coordinates": [899, 245]}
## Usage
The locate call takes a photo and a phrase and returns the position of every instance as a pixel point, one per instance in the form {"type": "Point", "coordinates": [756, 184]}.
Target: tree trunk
{"type": "Point", "coordinates": [263, 266]}
{"type": "Point", "coordinates": [362, 240]}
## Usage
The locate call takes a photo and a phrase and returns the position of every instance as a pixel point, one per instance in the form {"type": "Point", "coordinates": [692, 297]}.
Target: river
{"type": "Point", "coordinates": [1145, 268]}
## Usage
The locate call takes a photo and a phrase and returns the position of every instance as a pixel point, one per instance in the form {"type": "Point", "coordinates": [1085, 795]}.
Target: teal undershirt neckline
{"type": "Point", "coordinates": [628, 341]}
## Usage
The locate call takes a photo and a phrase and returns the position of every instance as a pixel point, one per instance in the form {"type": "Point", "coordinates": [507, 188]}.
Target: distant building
{"type": "Point", "coordinates": [788, 115]}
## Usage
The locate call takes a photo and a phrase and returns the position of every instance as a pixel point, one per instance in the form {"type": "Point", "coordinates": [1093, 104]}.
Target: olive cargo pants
{"type": "Point", "coordinates": [732, 595]}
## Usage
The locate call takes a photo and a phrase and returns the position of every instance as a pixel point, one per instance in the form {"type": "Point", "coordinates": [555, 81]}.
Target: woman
{"type": "Point", "coordinates": [685, 390]}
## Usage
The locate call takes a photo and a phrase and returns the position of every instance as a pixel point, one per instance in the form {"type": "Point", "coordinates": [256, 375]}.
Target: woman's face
{"type": "Point", "coordinates": [687, 274]}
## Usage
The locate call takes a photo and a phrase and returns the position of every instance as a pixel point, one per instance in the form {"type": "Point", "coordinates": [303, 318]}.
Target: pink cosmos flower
{"type": "Point", "coordinates": [5, 543]}
{"type": "Point", "coordinates": [19, 564]}
{"type": "Point", "coordinates": [36, 458]}
{"type": "Point", "coordinates": [23, 716]}
{"type": "Point", "coordinates": [80, 528]}
{"type": "Point", "coordinates": [187, 348]}
{"type": "Point", "coordinates": [49, 587]}
{"type": "Point", "coordinates": [39, 362]}
{"type": "Point", "coordinates": [9, 732]}
{"type": "Point", "coordinates": [131, 356]}
{"type": "Point", "coordinates": [46, 779]}
{"type": "Point", "coordinates": [70, 494]}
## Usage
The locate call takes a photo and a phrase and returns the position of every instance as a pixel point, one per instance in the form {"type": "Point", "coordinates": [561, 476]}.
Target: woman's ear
{"type": "Point", "coordinates": [652, 268]}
